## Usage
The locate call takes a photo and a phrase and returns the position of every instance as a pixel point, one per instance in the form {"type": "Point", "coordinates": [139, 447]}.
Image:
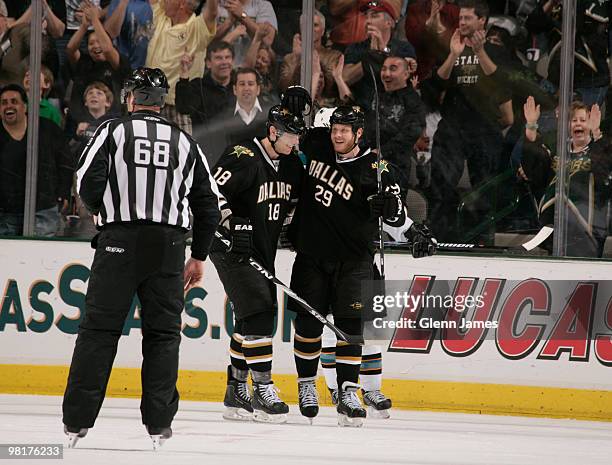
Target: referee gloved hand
{"type": "Point", "coordinates": [241, 234]}
{"type": "Point", "coordinates": [385, 204]}
{"type": "Point", "coordinates": [423, 243]}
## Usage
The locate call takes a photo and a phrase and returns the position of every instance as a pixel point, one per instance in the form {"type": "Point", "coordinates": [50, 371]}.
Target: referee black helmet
{"type": "Point", "coordinates": [149, 86]}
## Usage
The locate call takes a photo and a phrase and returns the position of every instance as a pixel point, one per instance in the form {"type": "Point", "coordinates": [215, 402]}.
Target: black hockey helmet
{"type": "Point", "coordinates": [297, 100]}
{"type": "Point", "coordinates": [148, 85]}
{"type": "Point", "coordinates": [350, 115]}
{"type": "Point", "coordinates": [284, 120]}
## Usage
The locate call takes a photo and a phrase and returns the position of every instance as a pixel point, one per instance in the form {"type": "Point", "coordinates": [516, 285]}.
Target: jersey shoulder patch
{"type": "Point", "coordinates": [384, 166]}
{"type": "Point", "coordinates": [242, 151]}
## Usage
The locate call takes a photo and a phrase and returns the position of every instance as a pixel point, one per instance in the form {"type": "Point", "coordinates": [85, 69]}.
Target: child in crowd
{"type": "Point", "coordinates": [47, 109]}
{"type": "Point", "coordinates": [98, 100]}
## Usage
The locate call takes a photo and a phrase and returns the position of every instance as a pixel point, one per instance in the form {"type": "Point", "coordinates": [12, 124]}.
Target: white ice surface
{"type": "Point", "coordinates": [202, 437]}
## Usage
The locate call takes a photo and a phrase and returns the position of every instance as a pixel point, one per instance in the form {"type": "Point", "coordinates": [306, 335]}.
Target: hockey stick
{"type": "Point", "coordinates": [381, 247]}
{"type": "Point", "coordinates": [531, 244]}
{"type": "Point", "coordinates": [351, 339]}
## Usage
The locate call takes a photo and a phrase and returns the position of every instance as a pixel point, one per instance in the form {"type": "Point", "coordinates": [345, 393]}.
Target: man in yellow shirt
{"type": "Point", "coordinates": [179, 31]}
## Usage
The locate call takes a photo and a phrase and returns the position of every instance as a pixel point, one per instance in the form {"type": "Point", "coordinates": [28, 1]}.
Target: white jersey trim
{"type": "Point", "coordinates": [348, 160]}
{"type": "Point", "coordinates": [265, 154]}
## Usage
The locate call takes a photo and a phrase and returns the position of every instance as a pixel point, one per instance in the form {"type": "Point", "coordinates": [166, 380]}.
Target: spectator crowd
{"type": "Point", "coordinates": [465, 93]}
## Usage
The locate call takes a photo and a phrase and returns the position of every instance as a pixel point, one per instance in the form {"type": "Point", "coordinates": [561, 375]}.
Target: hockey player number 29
{"type": "Point", "coordinates": [324, 196]}
{"type": "Point", "coordinates": [142, 153]}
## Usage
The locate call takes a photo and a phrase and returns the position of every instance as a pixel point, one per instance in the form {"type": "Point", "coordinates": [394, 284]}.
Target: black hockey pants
{"type": "Point", "coordinates": [147, 260]}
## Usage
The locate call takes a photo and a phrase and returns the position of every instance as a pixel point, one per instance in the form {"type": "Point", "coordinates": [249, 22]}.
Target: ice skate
{"type": "Point", "coordinates": [334, 396]}
{"type": "Point", "coordinates": [237, 399]}
{"type": "Point", "coordinates": [267, 406]}
{"type": "Point", "coordinates": [74, 434]}
{"type": "Point", "coordinates": [308, 398]}
{"type": "Point", "coordinates": [350, 411]}
{"type": "Point", "coordinates": [159, 436]}
{"type": "Point", "coordinates": [378, 404]}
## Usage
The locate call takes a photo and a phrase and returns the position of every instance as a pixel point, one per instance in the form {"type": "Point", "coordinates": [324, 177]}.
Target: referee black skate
{"type": "Point", "coordinates": [141, 176]}
{"type": "Point", "coordinates": [333, 232]}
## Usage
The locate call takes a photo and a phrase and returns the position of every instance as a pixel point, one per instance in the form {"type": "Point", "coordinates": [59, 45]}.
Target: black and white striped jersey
{"type": "Point", "coordinates": [141, 168]}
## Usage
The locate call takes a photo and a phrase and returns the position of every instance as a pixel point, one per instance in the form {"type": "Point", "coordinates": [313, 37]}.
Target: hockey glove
{"type": "Point", "coordinates": [423, 243]}
{"type": "Point", "coordinates": [386, 205]}
{"type": "Point", "coordinates": [241, 233]}
{"type": "Point", "coordinates": [297, 100]}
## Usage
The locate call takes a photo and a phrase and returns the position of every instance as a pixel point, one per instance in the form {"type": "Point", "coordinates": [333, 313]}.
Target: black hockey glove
{"type": "Point", "coordinates": [423, 243]}
{"type": "Point", "coordinates": [297, 100]}
{"type": "Point", "coordinates": [241, 234]}
{"type": "Point", "coordinates": [386, 205]}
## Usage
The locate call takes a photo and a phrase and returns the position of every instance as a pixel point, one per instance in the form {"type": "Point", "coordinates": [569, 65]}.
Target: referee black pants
{"type": "Point", "coordinates": [130, 259]}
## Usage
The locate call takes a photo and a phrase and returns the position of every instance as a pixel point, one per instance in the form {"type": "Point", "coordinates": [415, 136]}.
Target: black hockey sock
{"type": "Point", "coordinates": [306, 351]}
{"type": "Point", "coordinates": [348, 361]}
{"type": "Point", "coordinates": [239, 365]}
{"type": "Point", "coordinates": [307, 345]}
{"type": "Point", "coordinates": [258, 353]}
{"type": "Point", "coordinates": [348, 356]}
{"type": "Point", "coordinates": [257, 343]}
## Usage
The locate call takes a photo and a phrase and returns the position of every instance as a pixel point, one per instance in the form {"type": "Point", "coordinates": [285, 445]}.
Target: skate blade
{"type": "Point", "coordinates": [381, 414]}
{"type": "Point", "coordinates": [344, 420]}
{"type": "Point", "coordinates": [73, 438]}
{"type": "Point", "coordinates": [237, 414]}
{"type": "Point", "coordinates": [310, 418]}
{"type": "Point", "coordinates": [158, 441]}
{"type": "Point", "coordinates": [263, 417]}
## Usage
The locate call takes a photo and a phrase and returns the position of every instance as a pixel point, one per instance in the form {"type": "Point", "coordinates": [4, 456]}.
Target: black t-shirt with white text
{"type": "Point", "coordinates": [473, 98]}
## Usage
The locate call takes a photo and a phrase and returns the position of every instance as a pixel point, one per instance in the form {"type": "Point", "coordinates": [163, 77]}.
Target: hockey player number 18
{"type": "Point", "coordinates": [273, 211]}
{"type": "Point", "coordinates": [323, 196]}
{"type": "Point", "coordinates": [221, 177]}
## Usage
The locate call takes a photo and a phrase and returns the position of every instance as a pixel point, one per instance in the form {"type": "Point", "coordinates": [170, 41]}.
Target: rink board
{"type": "Point", "coordinates": [45, 282]}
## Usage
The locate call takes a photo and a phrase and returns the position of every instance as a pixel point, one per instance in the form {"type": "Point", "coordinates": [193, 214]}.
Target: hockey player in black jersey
{"type": "Point", "coordinates": [260, 180]}
{"type": "Point", "coordinates": [333, 232]}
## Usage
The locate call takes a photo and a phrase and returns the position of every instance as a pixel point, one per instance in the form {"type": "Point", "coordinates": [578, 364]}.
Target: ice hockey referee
{"type": "Point", "coordinates": [141, 176]}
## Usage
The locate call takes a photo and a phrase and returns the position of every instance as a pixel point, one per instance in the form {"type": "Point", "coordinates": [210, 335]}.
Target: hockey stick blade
{"type": "Point", "coordinates": [531, 244]}
{"type": "Point", "coordinates": [540, 237]}
{"type": "Point", "coordinates": [350, 338]}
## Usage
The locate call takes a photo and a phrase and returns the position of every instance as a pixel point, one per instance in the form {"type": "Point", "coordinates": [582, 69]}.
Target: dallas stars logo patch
{"type": "Point", "coordinates": [240, 150]}
{"type": "Point", "coordinates": [384, 166]}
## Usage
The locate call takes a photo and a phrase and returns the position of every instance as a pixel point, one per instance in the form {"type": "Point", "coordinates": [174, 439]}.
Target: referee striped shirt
{"type": "Point", "coordinates": [141, 168]}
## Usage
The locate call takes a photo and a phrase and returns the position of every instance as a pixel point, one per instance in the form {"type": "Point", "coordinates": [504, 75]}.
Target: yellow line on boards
{"type": "Point", "coordinates": [496, 399]}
